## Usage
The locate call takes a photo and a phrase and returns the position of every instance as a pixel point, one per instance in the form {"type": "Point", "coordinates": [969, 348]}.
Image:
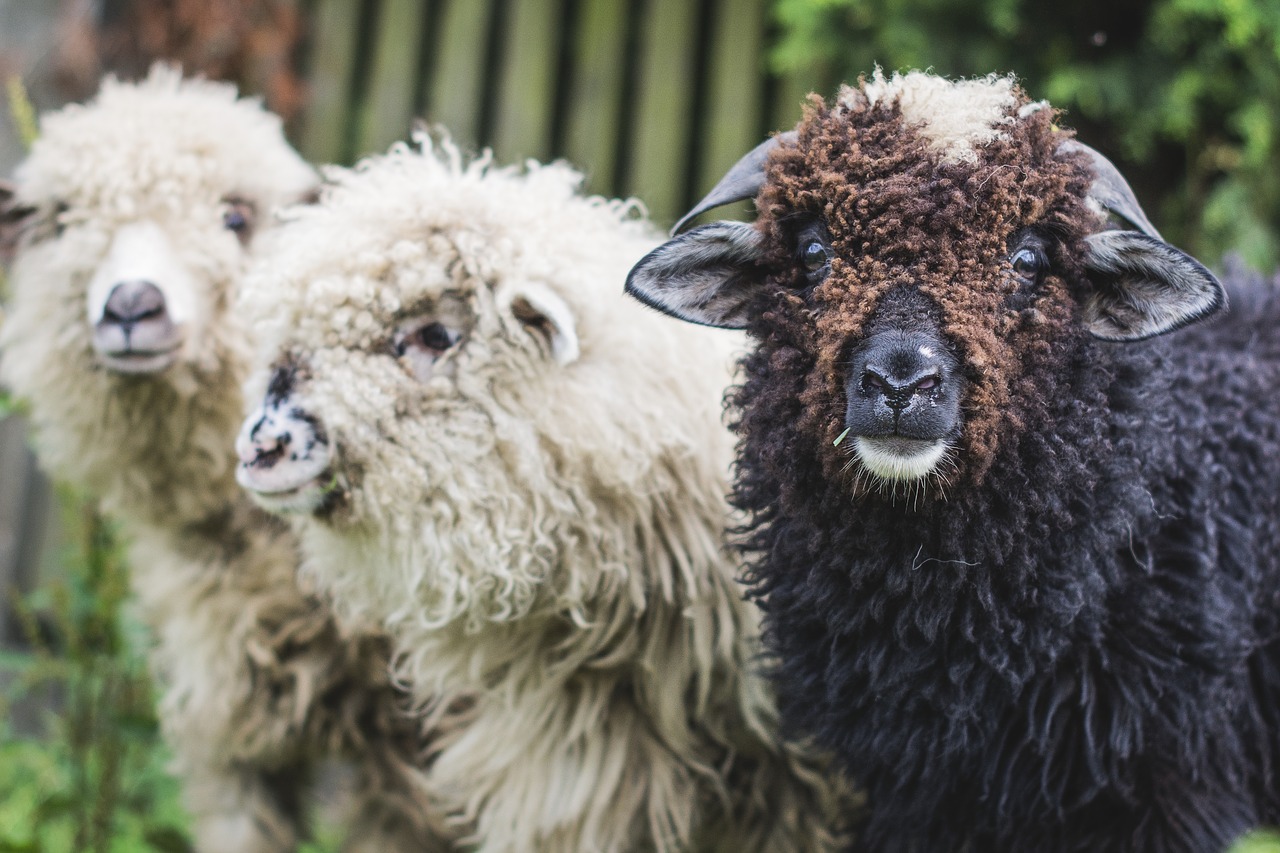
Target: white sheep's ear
{"type": "Point", "coordinates": [1144, 287]}
{"type": "Point", "coordinates": [13, 218]}
{"type": "Point", "coordinates": [541, 310]}
{"type": "Point", "coordinates": [710, 275]}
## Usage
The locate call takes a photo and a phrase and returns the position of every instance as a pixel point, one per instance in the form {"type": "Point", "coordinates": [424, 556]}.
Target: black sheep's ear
{"type": "Point", "coordinates": [1144, 287]}
{"type": "Point", "coordinates": [710, 275]}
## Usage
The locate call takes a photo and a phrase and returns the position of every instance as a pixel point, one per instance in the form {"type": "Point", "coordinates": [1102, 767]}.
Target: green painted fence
{"type": "Point", "coordinates": [652, 98]}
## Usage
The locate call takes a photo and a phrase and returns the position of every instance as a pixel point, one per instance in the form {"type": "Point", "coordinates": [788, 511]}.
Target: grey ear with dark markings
{"type": "Point", "coordinates": [741, 182]}
{"type": "Point", "coordinates": [710, 275]}
{"type": "Point", "coordinates": [1143, 286]}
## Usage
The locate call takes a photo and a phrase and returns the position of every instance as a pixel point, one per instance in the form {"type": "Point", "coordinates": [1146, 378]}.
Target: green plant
{"type": "Point", "coordinates": [1258, 842]}
{"type": "Point", "coordinates": [1180, 93]}
{"type": "Point", "coordinates": [90, 774]}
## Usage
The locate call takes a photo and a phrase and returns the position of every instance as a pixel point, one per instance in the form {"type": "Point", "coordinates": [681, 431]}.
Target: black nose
{"type": "Point", "coordinates": [903, 383]}
{"type": "Point", "coordinates": [131, 302]}
{"type": "Point", "coordinates": [918, 375]}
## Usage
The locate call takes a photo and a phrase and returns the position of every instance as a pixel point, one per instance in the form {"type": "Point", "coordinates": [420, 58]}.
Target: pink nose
{"type": "Point", "coordinates": [265, 440]}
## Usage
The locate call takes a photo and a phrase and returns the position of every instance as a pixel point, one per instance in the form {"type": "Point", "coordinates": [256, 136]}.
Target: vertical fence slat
{"type": "Point", "coordinates": [459, 78]}
{"type": "Point", "coordinates": [666, 88]}
{"type": "Point", "coordinates": [737, 88]}
{"type": "Point", "coordinates": [333, 57]}
{"type": "Point", "coordinates": [595, 102]}
{"type": "Point", "coordinates": [789, 99]}
{"type": "Point", "coordinates": [526, 93]}
{"type": "Point", "coordinates": [390, 87]}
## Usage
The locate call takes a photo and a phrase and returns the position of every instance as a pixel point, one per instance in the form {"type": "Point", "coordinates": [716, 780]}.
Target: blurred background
{"type": "Point", "coordinates": [652, 98]}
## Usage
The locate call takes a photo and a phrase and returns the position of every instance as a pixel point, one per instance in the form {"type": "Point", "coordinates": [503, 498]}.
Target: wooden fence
{"type": "Point", "coordinates": [652, 98]}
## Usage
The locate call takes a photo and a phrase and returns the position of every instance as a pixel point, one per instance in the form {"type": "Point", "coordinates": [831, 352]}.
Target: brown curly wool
{"type": "Point", "coordinates": [935, 227]}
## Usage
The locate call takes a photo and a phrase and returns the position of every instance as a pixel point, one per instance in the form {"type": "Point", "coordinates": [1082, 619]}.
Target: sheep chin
{"type": "Point", "coordinates": [304, 500]}
{"type": "Point", "coordinates": [294, 495]}
{"type": "Point", "coordinates": [139, 363]}
{"type": "Point", "coordinates": [898, 459]}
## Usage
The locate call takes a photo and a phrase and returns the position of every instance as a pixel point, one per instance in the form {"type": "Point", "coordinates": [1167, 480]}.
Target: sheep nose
{"type": "Point", "coordinates": [902, 383]}
{"type": "Point", "coordinates": [265, 439]}
{"type": "Point", "coordinates": [899, 386]}
{"type": "Point", "coordinates": [131, 302]}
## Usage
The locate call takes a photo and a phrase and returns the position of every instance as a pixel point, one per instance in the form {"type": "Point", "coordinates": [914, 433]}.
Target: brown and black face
{"type": "Point", "coordinates": [922, 268]}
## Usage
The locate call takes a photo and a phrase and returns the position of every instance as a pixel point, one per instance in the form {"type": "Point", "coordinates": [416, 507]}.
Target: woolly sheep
{"type": "Point", "coordinates": [1016, 543]}
{"type": "Point", "coordinates": [134, 214]}
{"type": "Point", "coordinates": [522, 475]}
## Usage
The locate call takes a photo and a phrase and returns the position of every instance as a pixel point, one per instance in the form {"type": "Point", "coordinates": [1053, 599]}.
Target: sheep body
{"type": "Point", "coordinates": [522, 476]}
{"type": "Point", "coordinates": [258, 682]}
{"type": "Point", "coordinates": [1060, 632]}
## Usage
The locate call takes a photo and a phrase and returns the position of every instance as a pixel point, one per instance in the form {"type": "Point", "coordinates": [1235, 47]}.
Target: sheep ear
{"type": "Point", "coordinates": [1144, 287]}
{"type": "Point", "coordinates": [710, 275]}
{"type": "Point", "coordinates": [13, 218]}
{"type": "Point", "coordinates": [542, 312]}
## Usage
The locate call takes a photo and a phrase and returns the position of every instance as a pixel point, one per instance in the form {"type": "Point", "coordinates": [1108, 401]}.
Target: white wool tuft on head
{"type": "Point", "coordinates": [955, 116]}
{"type": "Point", "coordinates": [166, 131]}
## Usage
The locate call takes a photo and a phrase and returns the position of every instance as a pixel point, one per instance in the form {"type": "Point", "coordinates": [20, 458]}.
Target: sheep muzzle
{"type": "Point", "coordinates": [902, 393]}
{"type": "Point", "coordinates": [285, 457]}
{"type": "Point", "coordinates": [135, 334]}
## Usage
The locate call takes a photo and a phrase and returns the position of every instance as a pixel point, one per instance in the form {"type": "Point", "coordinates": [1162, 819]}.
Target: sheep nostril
{"type": "Point", "coordinates": [927, 383]}
{"type": "Point", "coordinates": [873, 383]}
{"type": "Point", "coordinates": [132, 302]}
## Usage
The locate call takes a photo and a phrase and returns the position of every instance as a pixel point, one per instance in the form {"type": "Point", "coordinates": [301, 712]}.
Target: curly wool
{"type": "Point", "coordinates": [547, 534]}
{"type": "Point", "coordinates": [259, 682]}
{"type": "Point", "coordinates": [1069, 642]}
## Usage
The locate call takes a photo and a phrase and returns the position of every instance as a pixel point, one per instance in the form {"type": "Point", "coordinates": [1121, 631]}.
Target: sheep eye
{"type": "Point", "coordinates": [1028, 263]}
{"type": "Point", "coordinates": [420, 348]}
{"type": "Point", "coordinates": [814, 256]}
{"type": "Point", "coordinates": [238, 218]}
{"type": "Point", "coordinates": [435, 337]}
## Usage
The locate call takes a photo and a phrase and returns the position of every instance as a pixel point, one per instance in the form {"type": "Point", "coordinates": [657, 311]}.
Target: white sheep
{"type": "Point", "coordinates": [133, 216]}
{"type": "Point", "coordinates": [522, 475]}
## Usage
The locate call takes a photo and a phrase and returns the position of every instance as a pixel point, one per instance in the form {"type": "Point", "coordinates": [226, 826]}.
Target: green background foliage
{"type": "Point", "coordinates": [1182, 94]}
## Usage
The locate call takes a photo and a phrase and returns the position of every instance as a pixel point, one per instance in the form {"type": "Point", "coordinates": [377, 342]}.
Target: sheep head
{"type": "Point", "coordinates": [928, 257]}
{"type": "Point", "coordinates": [454, 390]}
{"type": "Point", "coordinates": [129, 220]}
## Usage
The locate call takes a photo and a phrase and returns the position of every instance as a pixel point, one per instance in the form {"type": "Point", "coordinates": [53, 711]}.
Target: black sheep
{"type": "Point", "coordinates": [1019, 557]}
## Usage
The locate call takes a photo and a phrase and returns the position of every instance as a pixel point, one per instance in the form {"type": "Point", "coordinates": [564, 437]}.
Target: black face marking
{"type": "Point", "coordinates": [318, 434]}
{"type": "Point", "coordinates": [283, 381]}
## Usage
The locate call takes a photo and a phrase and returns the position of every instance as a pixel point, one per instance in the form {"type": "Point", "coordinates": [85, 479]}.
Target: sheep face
{"type": "Point", "coordinates": [396, 401]}
{"type": "Point", "coordinates": [453, 392]}
{"type": "Point", "coordinates": [929, 256]}
{"type": "Point", "coordinates": [406, 411]}
{"type": "Point", "coordinates": [130, 220]}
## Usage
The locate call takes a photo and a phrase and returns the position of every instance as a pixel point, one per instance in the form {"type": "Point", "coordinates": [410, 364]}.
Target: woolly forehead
{"type": "Point", "coordinates": [921, 192]}
{"type": "Point", "coordinates": [164, 136]}
{"type": "Point", "coordinates": [392, 236]}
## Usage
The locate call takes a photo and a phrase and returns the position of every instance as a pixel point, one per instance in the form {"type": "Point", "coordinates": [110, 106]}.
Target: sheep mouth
{"type": "Point", "coordinates": [281, 489]}
{"type": "Point", "coordinates": [139, 362]}
{"type": "Point", "coordinates": [899, 458]}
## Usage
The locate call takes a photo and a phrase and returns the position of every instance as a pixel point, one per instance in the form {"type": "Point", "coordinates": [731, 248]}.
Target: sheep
{"type": "Point", "coordinates": [130, 220]}
{"type": "Point", "coordinates": [1015, 535]}
{"type": "Point", "coordinates": [522, 476]}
